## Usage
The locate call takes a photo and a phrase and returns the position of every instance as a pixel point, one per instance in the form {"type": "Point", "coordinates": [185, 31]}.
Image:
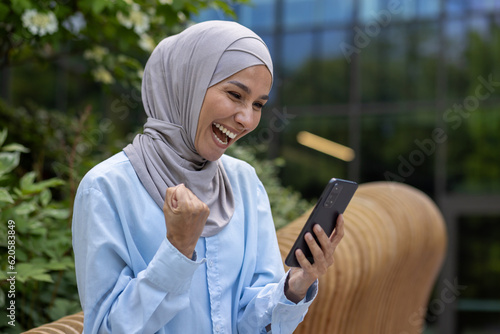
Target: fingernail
{"type": "Point", "coordinates": [317, 228]}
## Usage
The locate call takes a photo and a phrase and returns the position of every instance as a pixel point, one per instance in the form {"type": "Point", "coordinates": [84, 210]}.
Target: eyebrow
{"type": "Point", "coordinates": [247, 89]}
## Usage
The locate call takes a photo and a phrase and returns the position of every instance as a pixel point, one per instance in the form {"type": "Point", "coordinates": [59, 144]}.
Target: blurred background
{"type": "Point", "coordinates": [409, 89]}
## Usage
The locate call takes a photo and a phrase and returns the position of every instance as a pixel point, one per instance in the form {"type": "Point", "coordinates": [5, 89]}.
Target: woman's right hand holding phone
{"type": "Point", "coordinates": [301, 278]}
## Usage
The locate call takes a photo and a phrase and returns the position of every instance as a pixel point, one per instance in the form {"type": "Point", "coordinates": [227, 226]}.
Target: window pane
{"type": "Point", "coordinates": [473, 141]}
{"type": "Point", "coordinates": [392, 144]}
{"type": "Point", "coordinates": [298, 13]}
{"type": "Point", "coordinates": [478, 323]}
{"type": "Point", "coordinates": [392, 62]}
{"type": "Point", "coordinates": [336, 11]}
{"type": "Point", "coordinates": [428, 8]}
{"type": "Point", "coordinates": [454, 50]}
{"type": "Point", "coordinates": [368, 10]}
{"type": "Point", "coordinates": [455, 7]}
{"type": "Point", "coordinates": [479, 263]}
{"type": "Point", "coordinates": [482, 5]}
{"type": "Point", "coordinates": [331, 41]}
{"type": "Point", "coordinates": [297, 48]}
{"type": "Point", "coordinates": [260, 14]}
{"type": "Point", "coordinates": [332, 79]}
{"type": "Point", "coordinates": [423, 46]}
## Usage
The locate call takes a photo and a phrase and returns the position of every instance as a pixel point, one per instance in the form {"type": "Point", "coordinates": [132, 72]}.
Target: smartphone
{"type": "Point", "coordinates": [333, 201]}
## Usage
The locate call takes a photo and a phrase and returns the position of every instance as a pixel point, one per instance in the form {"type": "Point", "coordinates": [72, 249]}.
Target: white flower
{"type": "Point", "coordinates": [101, 74]}
{"type": "Point", "coordinates": [39, 23]}
{"type": "Point", "coordinates": [75, 23]}
{"type": "Point", "coordinates": [181, 16]}
{"type": "Point", "coordinates": [146, 42]}
{"type": "Point", "coordinates": [97, 53]}
{"type": "Point", "coordinates": [136, 19]}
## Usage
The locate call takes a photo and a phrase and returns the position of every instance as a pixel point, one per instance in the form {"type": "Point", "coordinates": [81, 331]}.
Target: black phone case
{"type": "Point", "coordinates": [333, 201]}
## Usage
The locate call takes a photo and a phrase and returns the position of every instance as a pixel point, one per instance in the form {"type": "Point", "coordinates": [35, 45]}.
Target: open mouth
{"type": "Point", "coordinates": [222, 135]}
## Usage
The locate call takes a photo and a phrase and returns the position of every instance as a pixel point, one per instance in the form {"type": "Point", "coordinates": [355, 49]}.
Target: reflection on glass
{"type": "Point", "coordinates": [298, 12]}
{"type": "Point", "coordinates": [479, 254]}
{"type": "Point", "coordinates": [482, 5]}
{"type": "Point", "coordinates": [479, 24]}
{"type": "Point", "coordinates": [368, 10]}
{"type": "Point", "coordinates": [428, 8]}
{"type": "Point", "coordinates": [336, 11]}
{"type": "Point", "coordinates": [391, 145]}
{"type": "Point", "coordinates": [473, 160]}
{"type": "Point", "coordinates": [297, 48]}
{"type": "Point", "coordinates": [260, 14]}
{"type": "Point", "coordinates": [455, 7]}
{"type": "Point", "coordinates": [331, 41]}
{"type": "Point", "coordinates": [454, 32]}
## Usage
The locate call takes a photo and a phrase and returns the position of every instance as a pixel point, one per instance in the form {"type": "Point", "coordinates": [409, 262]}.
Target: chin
{"type": "Point", "coordinates": [212, 156]}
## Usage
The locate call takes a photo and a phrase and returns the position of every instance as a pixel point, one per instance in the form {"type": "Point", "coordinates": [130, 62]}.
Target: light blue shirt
{"type": "Point", "coordinates": [132, 280]}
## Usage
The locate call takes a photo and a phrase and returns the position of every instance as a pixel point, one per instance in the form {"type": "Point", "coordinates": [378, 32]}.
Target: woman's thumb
{"type": "Point", "coordinates": [174, 200]}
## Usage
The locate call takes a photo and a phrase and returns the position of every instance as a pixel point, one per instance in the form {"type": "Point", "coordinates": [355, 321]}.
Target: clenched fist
{"type": "Point", "coordinates": [185, 218]}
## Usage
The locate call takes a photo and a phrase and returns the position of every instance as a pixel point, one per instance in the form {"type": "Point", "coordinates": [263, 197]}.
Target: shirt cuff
{"type": "Point", "coordinates": [287, 315]}
{"type": "Point", "coordinates": [310, 295]}
{"type": "Point", "coordinates": [170, 270]}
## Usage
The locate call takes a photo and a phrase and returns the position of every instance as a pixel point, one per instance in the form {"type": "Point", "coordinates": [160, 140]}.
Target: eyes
{"type": "Point", "coordinates": [238, 97]}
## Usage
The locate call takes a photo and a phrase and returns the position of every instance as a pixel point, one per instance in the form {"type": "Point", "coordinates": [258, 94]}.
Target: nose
{"type": "Point", "coordinates": [244, 117]}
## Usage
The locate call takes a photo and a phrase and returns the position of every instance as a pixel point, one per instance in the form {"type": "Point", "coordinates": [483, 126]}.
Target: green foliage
{"type": "Point", "coordinates": [45, 31]}
{"type": "Point", "coordinates": [286, 203]}
{"type": "Point", "coordinates": [42, 240]}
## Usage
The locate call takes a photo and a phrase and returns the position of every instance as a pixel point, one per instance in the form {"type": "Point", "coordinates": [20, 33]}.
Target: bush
{"type": "Point", "coordinates": [35, 246]}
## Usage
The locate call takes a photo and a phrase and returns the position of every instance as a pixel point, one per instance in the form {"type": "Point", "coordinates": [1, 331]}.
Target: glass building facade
{"type": "Point", "coordinates": [413, 87]}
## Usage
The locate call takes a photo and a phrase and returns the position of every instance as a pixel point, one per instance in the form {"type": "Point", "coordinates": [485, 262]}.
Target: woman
{"type": "Point", "coordinates": [172, 236]}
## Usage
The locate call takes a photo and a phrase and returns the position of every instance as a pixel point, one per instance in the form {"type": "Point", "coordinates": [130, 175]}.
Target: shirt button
{"type": "Point", "coordinates": [210, 263]}
{"type": "Point", "coordinates": [217, 328]}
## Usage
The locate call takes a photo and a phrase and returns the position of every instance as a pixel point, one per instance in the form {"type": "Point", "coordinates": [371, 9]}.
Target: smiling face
{"type": "Point", "coordinates": [231, 109]}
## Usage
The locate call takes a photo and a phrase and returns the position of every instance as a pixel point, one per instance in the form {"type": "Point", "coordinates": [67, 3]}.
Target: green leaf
{"type": "Point", "coordinates": [56, 213]}
{"type": "Point", "coordinates": [28, 185]}
{"type": "Point", "coordinates": [5, 196]}
{"type": "Point", "coordinates": [3, 136]}
{"type": "Point", "coordinates": [63, 307]}
{"type": "Point", "coordinates": [2, 298]}
{"type": "Point", "coordinates": [19, 6]}
{"type": "Point", "coordinates": [98, 6]}
{"type": "Point", "coordinates": [38, 231]}
{"type": "Point", "coordinates": [4, 10]}
{"type": "Point", "coordinates": [178, 5]}
{"type": "Point", "coordinates": [25, 208]}
{"type": "Point", "coordinates": [43, 278]}
{"type": "Point", "coordinates": [27, 181]}
{"type": "Point", "coordinates": [21, 255]}
{"type": "Point", "coordinates": [64, 264]}
{"type": "Point", "coordinates": [8, 161]}
{"type": "Point", "coordinates": [26, 271]}
{"type": "Point", "coordinates": [45, 197]}
{"type": "Point", "coordinates": [14, 147]}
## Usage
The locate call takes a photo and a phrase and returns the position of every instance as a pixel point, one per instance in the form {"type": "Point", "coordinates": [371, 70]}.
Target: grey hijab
{"type": "Point", "coordinates": [176, 77]}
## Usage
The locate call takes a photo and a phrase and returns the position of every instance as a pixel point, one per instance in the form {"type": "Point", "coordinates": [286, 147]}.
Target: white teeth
{"type": "Point", "coordinates": [225, 131]}
{"type": "Point", "coordinates": [220, 141]}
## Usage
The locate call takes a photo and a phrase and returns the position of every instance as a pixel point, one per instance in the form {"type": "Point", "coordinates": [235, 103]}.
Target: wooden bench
{"type": "Point", "coordinates": [384, 271]}
{"type": "Point", "coordinates": [385, 267]}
